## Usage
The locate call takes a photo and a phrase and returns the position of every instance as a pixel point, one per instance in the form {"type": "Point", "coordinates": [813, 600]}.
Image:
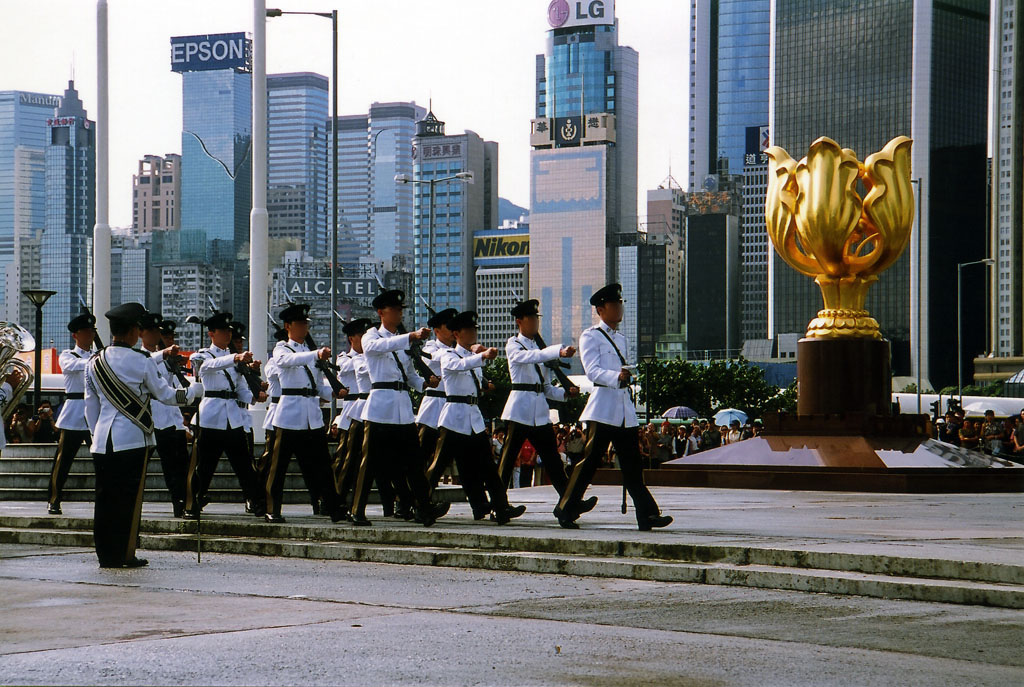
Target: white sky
{"type": "Point", "coordinates": [476, 57]}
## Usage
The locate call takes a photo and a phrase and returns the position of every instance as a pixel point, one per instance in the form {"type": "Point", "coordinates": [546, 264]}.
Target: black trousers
{"type": "Point", "coordinates": [392, 450]}
{"type": "Point", "coordinates": [542, 438]}
{"type": "Point", "coordinates": [477, 472]}
{"type": "Point", "coordinates": [263, 462]}
{"type": "Point", "coordinates": [172, 445]}
{"type": "Point", "coordinates": [428, 447]}
{"type": "Point", "coordinates": [67, 448]}
{"type": "Point", "coordinates": [339, 458]}
{"type": "Point", "coordinates": [120, 480]}
{"type": "Point", "coordinates": [349, 474]}
{"type": "Point", "coordinates": [210, 444]}
{"type": "Point", "coordinates": [309, 446]}
{"type": "Point", "coordinates": [627, 450]}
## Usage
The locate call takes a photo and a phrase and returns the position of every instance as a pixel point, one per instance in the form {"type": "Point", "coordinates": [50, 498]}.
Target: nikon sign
{"type": "Point", "coordinates": [500, 247]}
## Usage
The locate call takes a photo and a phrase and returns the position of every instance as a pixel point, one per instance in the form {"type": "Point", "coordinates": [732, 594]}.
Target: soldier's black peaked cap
{"type": "Point", "coordinates": [221, 320]}
{"type": "Point", "coordinates": [390, 298]}
{"type": "Point", "coordinates": [463, 320]}
{"type": "Point", "coordinates": [357, 327]}
{"type": "Point", "coordinates": [128, 313]}
{"type": "Point", "coordinates": [151, 320]}
{"type": "Point", "coordinates": [83, 321]}
{"type": "Point", "coordinates": [294, 312]}
{"type": "Point", "coordinates": [527, 308]}
{"type": "Point", "coordinates": [607, 294]}
{"type": "Point", "coordinates": [237, 329]}
{"type": "Point", "coordinates": [167, 326]}
{"type": "Point", "coordinates": [443, 318]}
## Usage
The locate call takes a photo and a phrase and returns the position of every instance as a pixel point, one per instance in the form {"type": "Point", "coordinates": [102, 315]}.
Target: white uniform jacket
{"type": "Point", "coordinates": [389, 406]}
{"type": "Point", "coordinates": [215, 369]}
{"type": "Point", "coordinates": [347, 376]}
{"type": "Point", "coordinates": [433, 399]}
{"type": "Point", "coordinates": [166, 415]}
{"type": "Point", "coordinates": [609, 403]}
{"type": "Point", "coordinates": [298, 374]}
{"type": "Point", "coordinates": [461, 376]}
{"type": "Point", "coordinates": [72, 367]}
{"type": "Point", "coordinates": [136, 370]}
{"type": "Point", "coordinates": [273, 392]}
{"type": "Point", "coordinates": [526, 366]}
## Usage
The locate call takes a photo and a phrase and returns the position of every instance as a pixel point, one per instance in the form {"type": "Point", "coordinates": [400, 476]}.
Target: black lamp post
{"type": "Point", "coordinates": [38, 298]}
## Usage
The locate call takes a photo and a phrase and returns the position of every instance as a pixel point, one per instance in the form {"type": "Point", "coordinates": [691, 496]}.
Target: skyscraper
{"type": "Point", "coordinates": [444, 251]}
{"type": "Point", "coordinates": [24, 135]}
{"type": "Point", "coordinates": [216, 160]}
{"type": "Point", "coordinates": [156, 190]}
{"type": "Point", "coordinates": [375, 214]}
{"type": "Point", "coordinates": [66, 249]}
{"type": "Point", "coordinates": [583, 167]}
{"type": "Point", "coordinates": [298, 159]}
{"type": "Point", "coordinates": [862, 74]}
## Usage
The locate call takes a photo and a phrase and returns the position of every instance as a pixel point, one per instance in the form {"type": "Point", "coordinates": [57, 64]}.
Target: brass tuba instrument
{"type": "Point", "coordinates": [15, 339]}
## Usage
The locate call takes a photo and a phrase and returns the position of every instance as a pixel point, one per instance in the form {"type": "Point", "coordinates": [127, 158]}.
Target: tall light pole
{"type": "Point", "coordinates": [464, 177]}
{"type": "Point", "coordinates": [333, 16]}
{"type": "Point", "coordinates": [959, 323]}
{"type": "Point", "coordinates": [917, 317]}
{"type": "Point", "coordinates": [39, 298]}
{"type": "Point", "coordinates": [101, 230]}
{"type": "Point", "coordinates": [259, 220]}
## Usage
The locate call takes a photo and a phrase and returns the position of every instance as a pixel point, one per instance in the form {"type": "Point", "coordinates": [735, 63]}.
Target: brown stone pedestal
{"type": "Point", "coordinates": [843, 376]}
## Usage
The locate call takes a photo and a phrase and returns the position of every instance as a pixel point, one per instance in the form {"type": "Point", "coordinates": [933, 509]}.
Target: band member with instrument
{"type": "Point", "coordinates": [391, 439]}
{"type": "Point", "coordinates": [71, 422]}
{"type": "Point", "coordinates": [298, 420]}
{"type": "Point", "coordinates": [610, 416]}
{"type": "Point", "coordinates": [119, 383]}
{"type": "Point", "coordinates": [221, 426]}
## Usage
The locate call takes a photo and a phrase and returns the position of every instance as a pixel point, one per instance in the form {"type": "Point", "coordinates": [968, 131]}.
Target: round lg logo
{"type": "Point", "coordinates": [558, 13]}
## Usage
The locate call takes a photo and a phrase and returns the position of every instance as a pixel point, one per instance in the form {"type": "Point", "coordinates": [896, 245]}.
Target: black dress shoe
{"type": "Point", "coordinates": [249, 508]}
{"type": "Point", "coordinates": [360, 521]}
{"type": "Point", "coordinates": [567, 524]}
{"type": "Point", "coordinates": [429, 515]}
{"type": "Point", "coordinates": [403, 513]}
{"type": "Point", "coordinates": [389, 509]}
{"type": "Point", "coordinates": [275, 519]}
{"type": "Point", "coordinates": [480, 515]}
{"type": "Point", "coordinates": [567, 515]}
{"type": "Point", "coordinates": [179, 509]}
{"type": "Point", "coordinates": [586, 505]}
{"type": "Point", "coordinates": [190, 515]}
{"type": "Point", "coordinates": [654, 521]}
{"type": "Point", "coordinates": [259, 508]}
{"type": "Point", "coordinates": [339, 516]}
{"type": "Point", "coordinates": [136, 563]}
{"type": "Point", "coordinates": [503, 516]}
{"type": "Point", "coordinates": [54, 510]}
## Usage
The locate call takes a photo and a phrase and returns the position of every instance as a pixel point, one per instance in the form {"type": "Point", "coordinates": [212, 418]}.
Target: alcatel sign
{"type": "Point", "coordinates": [212, 51]}
{"type": "Point", "coordinates": [564, 14]}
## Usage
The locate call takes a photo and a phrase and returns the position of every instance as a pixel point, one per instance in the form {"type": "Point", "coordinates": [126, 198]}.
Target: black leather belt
{"type": "Point", "coordinates": [75, 396]}
{"type": "Point", "coordinates": [394, 386]}
{"type": "Point", "coordinates": [434, 393]}
{"type": "Point", "coordinates": [536, 388]}
{"type": "Point", "coordinates": [308, 393]}
{"type": "Point", "coordinates": [275, 399]}
{"type": "Point", "coordinates": [219, 393]}
{"type": "Point", "coordinates": [356, 397]}
{"type": "Point", "coordinates": [468, 400]}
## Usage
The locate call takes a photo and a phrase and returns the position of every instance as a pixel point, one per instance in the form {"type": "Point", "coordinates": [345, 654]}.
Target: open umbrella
{"type": "Point", "coordinates": [679, 413]}
{"type": "Point", "coordinates": [727, 415]}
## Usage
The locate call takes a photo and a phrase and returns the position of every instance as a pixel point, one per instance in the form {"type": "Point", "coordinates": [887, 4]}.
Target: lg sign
{"type": "Point", "coordinates": [216, 51]}
{"type": "Point", "coordinates": [563, 13]}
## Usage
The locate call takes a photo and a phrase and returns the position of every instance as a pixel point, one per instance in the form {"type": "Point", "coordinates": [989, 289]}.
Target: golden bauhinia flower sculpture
{"type": "Point", "coordinates": [822, 227]}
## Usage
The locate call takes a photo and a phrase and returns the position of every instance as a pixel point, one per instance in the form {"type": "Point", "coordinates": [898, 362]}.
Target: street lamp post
{"type": "Point", "coordinates": [333, 16]}
{"type": "Point", "coordinates": [959, 323]}
{"type": "Point", "coordinates": [38, 298]}
{"type": "Point", "coordinates": [464, 177]}
{"type": "Point", "coordinates": [917, 317]}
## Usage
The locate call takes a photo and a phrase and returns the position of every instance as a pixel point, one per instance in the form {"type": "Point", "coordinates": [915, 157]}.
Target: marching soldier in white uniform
{"type": "Point", "coordinates": [391, 440]}
{"type": "Point", "coordinates": [347, 376]}
{"type": "Point", "coordinates": [610, 416]}
{"type": "Point", "coordinates": [238, 346]}
{"type": "Point", "coordinates": [221, 426]}
{"type": "Point", "coordinates": [526, 412]}
{"type": "Point", "coordinates": [119, 382]}
{"type": "Point", "coordinates": [462, 435]}
{"type": "Point", "coordinates": [274, 395]}
{"type": "Point", "coordinates": [298, 420]}
{"type": "Point", "coordinates": [353, 435]}
{"type": "Point", "coordinates": [432, 402]}
{"type": "Point", "coordinates": [171, 442]}
{"type": "Point", "coordinates": [71, 422]}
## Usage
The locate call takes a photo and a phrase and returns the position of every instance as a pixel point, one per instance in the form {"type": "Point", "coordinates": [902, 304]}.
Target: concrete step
{"type": "Point", "coordinates": [722, 572]}
{"type": "Point", "coordinates": [454, 543]}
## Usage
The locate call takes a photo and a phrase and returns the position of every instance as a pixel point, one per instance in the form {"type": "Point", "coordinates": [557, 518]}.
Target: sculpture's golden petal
{"type": "Point", "coordinates": [780, 202]}
{"type": "Point", "coordinates": [889, 203]}
{"type": "Point", "coordinates": [828, 208]}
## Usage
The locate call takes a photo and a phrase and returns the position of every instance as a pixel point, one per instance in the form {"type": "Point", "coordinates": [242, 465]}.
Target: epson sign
{"type": "Point", "coordinates": [568, 13]}
{"type": "Point", "coordinates": [212, 51]}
